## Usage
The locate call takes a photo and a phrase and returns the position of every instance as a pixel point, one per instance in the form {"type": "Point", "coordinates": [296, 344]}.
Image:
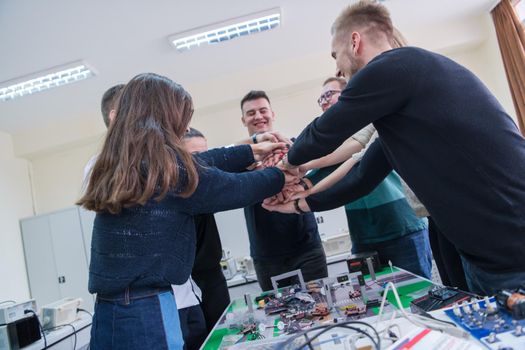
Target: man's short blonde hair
{"type": "Point", "coordinates": [398, 39]}
{"type": "Point", "coordinates": [370, 17]}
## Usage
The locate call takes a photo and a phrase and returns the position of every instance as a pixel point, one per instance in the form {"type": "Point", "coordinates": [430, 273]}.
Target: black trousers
{"type": "Point", "coordinates": [193, 327]}
{"type": "Point", "coordinates": [215, 296]}
{"type": "Point", "coordinates": [312, 264]}
{"type": "Point", "coordinates": [447, 258]}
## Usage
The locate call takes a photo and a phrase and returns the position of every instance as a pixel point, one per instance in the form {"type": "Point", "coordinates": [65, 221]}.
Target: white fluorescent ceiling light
{"type": "Point", "coordinates": [51, 78]}
{"type": "Point", "coordinates": [227, 30]}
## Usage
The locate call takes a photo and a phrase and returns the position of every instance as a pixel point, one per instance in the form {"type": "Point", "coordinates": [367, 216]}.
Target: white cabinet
{"type": "Point", "coordinates": [86, 223]}
{"type": "Point", "coordinates": [56, 248]}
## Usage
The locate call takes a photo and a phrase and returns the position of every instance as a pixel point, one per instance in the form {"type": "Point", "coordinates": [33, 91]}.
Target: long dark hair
{"type": "Point", "coordinates": [143, 153]}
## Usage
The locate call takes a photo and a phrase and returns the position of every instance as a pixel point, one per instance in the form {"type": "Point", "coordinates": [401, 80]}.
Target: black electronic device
{"type": "Point", "coordinates": [438, 298]}
{"type": "Point", "coordinates": [20, 333]}
{"type": "Point", "coordinates": [443, 293]}
{"type": "Point", "coordinates": [361, 262]}
{"type": "Point", "coordinates": [342, 278]}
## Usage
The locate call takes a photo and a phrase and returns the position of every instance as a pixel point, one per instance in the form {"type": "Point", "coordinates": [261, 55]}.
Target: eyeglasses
{"type": "Point", "coordinates": [327, 96]}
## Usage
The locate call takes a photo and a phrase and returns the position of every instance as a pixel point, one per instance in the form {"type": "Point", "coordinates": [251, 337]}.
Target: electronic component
{"type": "Point", "coordinates": [249, 267]}
{"type": "Point", "coordinates": [373, 303]}
{"type": "Point", "coordinates": [313, 287]}
{"type": "Point", "coordinates": [337, 244]}
{"type": "Point", "coordinates": [20, 333]}
{"type": "Point", "coordinates": [15, 311]}
{"type": "Point", "coordinates": [345, 293]}
{"type": "Point", "coordinates": [291, 300]}
{"type": "Point", "coordinates": [287, 276]}
{"type": "Point", "coordinates": [361, 262]}
{"type": "Point", "coordinates": [298, 325]}
{"type": "Point", "coordinates": [274, 306]}
{"type": "Point", "coordinates": [228, 268]}
{"type": "Point", "coordinates": [438, 298]}
{"type": "Point", "coordinates": [442, 293]}
{"type": "Point", "coordinates": [492, 326]}
{"type": "Point", "coordinates": [343, 278]}
{"type": "Point", "coordinates": [298, 306]}
{"type": "Point", "coordinates": [60, 312]}
{"type": "Point", "coordinates": [320, 310]}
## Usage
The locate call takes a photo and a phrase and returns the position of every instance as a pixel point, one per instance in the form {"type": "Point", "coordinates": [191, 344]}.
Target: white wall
{"type": "Point", "coordinates": [486, 62]}
{"type": "Point", "coordinates": [58, 177]}
{"type": "Point", "coordinates": [15, 203]}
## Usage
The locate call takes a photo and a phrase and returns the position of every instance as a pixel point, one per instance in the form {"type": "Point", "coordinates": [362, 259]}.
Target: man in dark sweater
{"type": "Point", "coordinates": [441, 129]}
{"type": "Point", "coordinates": [279, 243]}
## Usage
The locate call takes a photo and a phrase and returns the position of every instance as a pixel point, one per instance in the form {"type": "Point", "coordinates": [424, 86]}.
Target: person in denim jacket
{"type": "Point", "coordinates": [146, 188]}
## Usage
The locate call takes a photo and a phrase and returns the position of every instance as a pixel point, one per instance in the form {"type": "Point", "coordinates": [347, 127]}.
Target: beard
{"type": "Point", "coordinates": [355, 65]}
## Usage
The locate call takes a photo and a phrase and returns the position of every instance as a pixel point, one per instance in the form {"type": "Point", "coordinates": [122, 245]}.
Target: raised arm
{"type": "Point", "coordinates": [270, 136]}
{"type": "Point", "coordinates": [341, 154]}
{"type": "Point", "coordinates": [219, 190]}
{"type": "Point", "coordinates": [359, 181]}
{"type": "Point", "coordinates": [231, 159]}
{"type": "Point", "coordinates": [333, 178]}
{"type": "Point", "coordinates": [363, 177]}
{"type": "Point", "coordinates": [351, 146]}
{"type": "Point", "coordinates": [238, 158]}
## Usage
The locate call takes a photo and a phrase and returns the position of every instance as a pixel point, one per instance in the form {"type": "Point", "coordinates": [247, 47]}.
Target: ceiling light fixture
{"type": "Point", "coordinates": [227, 30]}
{"type": "Point", "coordinates": [41, 81]}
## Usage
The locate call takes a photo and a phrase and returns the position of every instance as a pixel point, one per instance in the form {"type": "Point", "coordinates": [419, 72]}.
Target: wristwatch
{"type": "Point", "coordinates": [298, 209]}
{"type": "Point", "coordinates": [304, 184]}
{"type": "Point", "coordinates": [254, 137]}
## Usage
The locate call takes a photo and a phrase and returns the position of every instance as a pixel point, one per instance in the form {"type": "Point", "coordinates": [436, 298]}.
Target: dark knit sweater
{"type": "Point", "coordinates": [154, 245]}
{"type": "Point", "coordinates": [448, 137]}
{"type": "Point", "coordinates": [275, 235]}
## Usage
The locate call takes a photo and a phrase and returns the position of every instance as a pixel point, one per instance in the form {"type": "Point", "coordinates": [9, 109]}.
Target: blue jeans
{"type": "Point", "coordinates": [410, 252]}
{"type": "Point", "coordinates": [136, 320]}
{"type": "Point", "coordinates": [488, 283]}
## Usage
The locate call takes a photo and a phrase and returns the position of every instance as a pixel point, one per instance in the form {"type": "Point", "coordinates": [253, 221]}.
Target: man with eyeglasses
{"type": "Point", "coordinates": [330, 94]}
{"type": "Point", "coordinates": [441, 129]}
{"type": "Point", "coordinates": [383, 220]}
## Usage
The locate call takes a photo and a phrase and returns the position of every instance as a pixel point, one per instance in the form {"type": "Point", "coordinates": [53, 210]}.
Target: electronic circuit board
{"type": "Point", "coordinates": [293, 309]}
{"type": "Point", "coordinates": [491, 325]}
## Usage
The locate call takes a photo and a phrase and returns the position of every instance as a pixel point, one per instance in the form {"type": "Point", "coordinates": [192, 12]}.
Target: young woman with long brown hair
{"type": "Point", "coordinates": [145, 189]}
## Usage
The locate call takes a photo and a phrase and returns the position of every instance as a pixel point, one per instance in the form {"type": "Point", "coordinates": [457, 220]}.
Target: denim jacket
{"type": "Point", "coordinates": [154, 245]}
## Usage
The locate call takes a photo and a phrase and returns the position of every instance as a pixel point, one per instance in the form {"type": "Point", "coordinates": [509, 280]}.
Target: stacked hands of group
{"type": "Point", "coordinates": [269, 151]}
